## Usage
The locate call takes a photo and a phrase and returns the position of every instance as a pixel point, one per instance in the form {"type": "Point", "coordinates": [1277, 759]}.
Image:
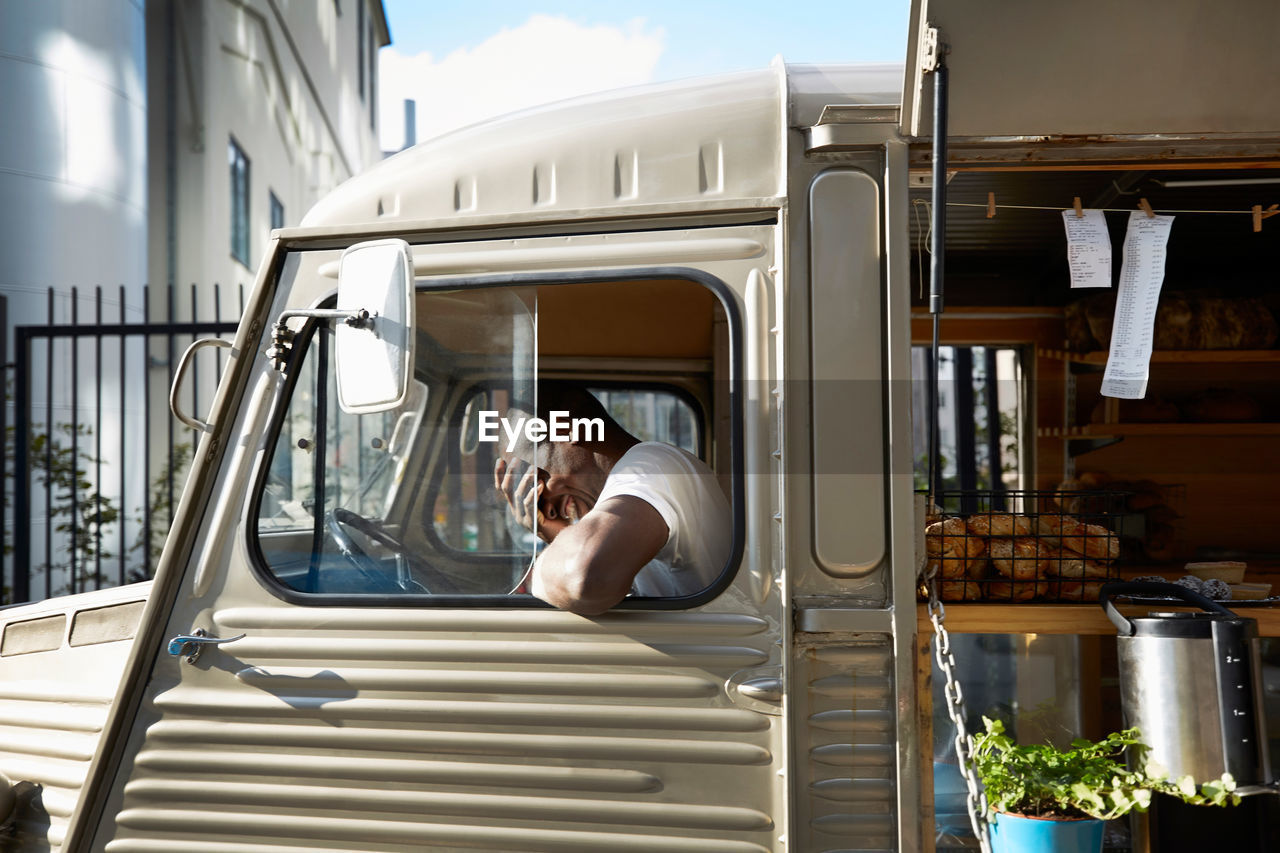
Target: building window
{"type": "Point", "coordinates": [360, 43]}
{"type": "Point", "coordinates": [277, 211]}
{"type": "Point", "coordinates": [373, 81]}
{"type": "Point", "coordinates": [239, 164]}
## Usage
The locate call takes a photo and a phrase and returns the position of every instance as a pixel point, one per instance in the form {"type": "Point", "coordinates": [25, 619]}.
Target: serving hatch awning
{"type": "Point", "coordinates": [1097, 68]}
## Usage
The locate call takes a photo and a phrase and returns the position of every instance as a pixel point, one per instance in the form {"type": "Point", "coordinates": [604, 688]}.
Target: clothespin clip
{"type": "Point", "coordinates": [991, 205]}
{"type": "Point", "coordinates": [1146, 208]}
{"type": "Point", "coordinates": [1259, 214]}
{"type": "Point", "coordinates": [1075, 202]}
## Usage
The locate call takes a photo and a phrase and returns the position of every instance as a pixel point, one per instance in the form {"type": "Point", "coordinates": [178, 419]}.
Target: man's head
{"type": "Point", "coordinates": [572, 473]}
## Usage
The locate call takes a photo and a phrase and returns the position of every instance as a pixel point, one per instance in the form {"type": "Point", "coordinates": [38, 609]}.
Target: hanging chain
{"type": "Point", "coordinates": [975, 799]}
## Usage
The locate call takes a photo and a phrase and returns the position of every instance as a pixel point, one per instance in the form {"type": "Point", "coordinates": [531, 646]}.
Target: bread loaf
{"type": "Point", "coordinates": [960, 591]}
{"type": "Point", "coordinates": [1252, 325]}
{"type": "Point", "coordinates": [1219, 323]}
{"type": "Point", "coordinates": [1090, 540]}
{"type": "Point", "coordinates": [1068, 564]}
{"type": "Point", "coordinates": [1099, 314]}
{"type": "Point", "coordinates": [1184, 321]}
{"type": "Point", "coordinates": [1076, 325]}
{"type": "Point", "coordinates": [952, 551]}
{"type": "Point", "coordinates": [1021, 590]}
{"type": "Point", "coordinates": [999, 524]}
{"type": "Point", "coordinates": [1020, 558]}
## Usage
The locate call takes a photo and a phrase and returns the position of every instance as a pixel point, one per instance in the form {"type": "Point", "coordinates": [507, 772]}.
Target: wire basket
{"type": "Point", "coordinates": [1023, 545]}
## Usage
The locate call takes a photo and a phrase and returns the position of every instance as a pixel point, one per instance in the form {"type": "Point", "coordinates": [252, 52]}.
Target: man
{"type": "Point", "coordinates": [620, 516]}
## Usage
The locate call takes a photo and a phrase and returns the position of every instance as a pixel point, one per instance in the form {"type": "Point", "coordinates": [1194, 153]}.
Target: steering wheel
{"type": "Point", "coordinates": [337, 521]}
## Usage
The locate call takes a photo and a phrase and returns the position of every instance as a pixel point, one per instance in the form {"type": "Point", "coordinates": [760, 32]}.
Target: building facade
{"type": "Point", "coordinates": [150, 146]}
{"type": "Point", "coordinates": [257, 108]}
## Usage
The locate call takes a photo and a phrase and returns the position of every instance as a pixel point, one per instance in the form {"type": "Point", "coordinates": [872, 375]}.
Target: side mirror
{"type": "Point", "coordinates": [375, 357]}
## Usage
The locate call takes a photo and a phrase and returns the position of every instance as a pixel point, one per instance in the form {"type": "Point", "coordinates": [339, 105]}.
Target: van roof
{"type": "Point", "coordinates": [715, 141]}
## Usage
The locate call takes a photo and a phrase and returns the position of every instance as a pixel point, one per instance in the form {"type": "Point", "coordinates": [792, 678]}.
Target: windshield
{"type": "Point", "coordinates": [334, 508]}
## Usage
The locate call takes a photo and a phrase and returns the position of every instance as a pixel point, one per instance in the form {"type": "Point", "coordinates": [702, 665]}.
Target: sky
{"type": "Point", "coordinates": [462, 62]}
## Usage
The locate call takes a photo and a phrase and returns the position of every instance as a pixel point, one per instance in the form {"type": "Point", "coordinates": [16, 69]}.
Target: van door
{"type": "Point", "coordinates": [1037, 71]}
{"type": "Point", "coordinates": [386, 692]}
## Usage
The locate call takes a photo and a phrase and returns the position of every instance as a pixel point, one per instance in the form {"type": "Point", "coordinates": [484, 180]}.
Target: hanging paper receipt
{"type": "Point", "coordinates": [1088, 248]}
{"type": "Point", "coordinates": [1132, 332]}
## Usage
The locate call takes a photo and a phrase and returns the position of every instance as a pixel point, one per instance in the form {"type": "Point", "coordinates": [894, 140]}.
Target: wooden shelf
{"type": "Point", "coordinates": [1205, 356]}
{"type": "Point", "coordinates": [1167, 429]}
{"type": "Point", "coordinates": [1082, 619]}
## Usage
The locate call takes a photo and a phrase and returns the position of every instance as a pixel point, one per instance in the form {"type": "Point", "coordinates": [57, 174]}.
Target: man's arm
{"type": "Point", "coordinates": [589, 567]}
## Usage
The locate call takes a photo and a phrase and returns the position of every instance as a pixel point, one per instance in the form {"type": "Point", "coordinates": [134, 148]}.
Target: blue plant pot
{"type": "Point", "coordinates": [1018, 834]}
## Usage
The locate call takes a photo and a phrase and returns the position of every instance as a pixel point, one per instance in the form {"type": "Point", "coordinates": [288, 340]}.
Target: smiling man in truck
{"type": "Point", "coordinates": [621, 516]}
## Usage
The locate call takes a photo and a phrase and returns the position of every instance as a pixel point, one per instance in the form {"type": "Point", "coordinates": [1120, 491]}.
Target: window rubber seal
{"type": "Point", "coordinates": [733, 315]}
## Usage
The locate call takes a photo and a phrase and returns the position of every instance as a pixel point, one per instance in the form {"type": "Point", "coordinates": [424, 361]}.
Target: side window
{"type": "Point", "coordinates": [332, 475]}
{"type": "Point", "coordinates": [418, 502]}
{"type": "Point", "coordinates": [652, 414]}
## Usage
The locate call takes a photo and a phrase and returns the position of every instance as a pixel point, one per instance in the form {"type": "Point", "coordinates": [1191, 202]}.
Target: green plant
{"type": "Point", "coordinates": [153, 524]}
{"type": "Point", "coordinates": [78, 514]}
{"type": "Point", "coordinates": [1088, 780]}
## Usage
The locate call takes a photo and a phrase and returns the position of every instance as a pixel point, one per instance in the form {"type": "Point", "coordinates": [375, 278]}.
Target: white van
{"type": "Point", "coordinates": [330, 655]}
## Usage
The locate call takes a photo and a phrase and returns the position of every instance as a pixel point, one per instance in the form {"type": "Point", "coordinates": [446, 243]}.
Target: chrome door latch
{"type": "Point", "coordinates": [189, 646]}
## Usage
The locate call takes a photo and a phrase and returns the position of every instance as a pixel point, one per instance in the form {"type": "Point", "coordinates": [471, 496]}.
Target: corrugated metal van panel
{"type": "Point", "coordinates": [54, 701]}
{"type": "Point", "coordinates": [459, 730]}
{"type": "Point", "coordinates": [366, 834]}
{"type": "Point", "coordinates": [846, 755]}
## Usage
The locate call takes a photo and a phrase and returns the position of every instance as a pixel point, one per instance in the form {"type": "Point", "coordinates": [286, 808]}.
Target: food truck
{"type": "Point", "coordinates": [333, 653]}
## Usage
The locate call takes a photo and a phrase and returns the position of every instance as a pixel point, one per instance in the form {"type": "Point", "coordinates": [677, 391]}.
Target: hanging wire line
{"type": "Point", "coordinates": [1103, 209]}
{"type": "Point", "coordinates": [925, 245]}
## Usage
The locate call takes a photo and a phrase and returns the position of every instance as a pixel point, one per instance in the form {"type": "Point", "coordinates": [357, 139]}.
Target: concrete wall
{"type": "Point", "coordinates": [73, 157]}
{"type": "Point", "coordinates": [114, 173]}
{"type": "Point", "coordinates": [282, 79]}
{"type": "Point", "coordinates": [73, 211]}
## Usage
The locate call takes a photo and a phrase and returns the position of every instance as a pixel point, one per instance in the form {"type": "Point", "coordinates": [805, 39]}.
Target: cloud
{"type": "Point", "coordinates": [545, 59]}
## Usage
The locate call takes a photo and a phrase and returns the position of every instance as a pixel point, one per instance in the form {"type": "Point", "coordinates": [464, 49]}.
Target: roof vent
{"type": "Point", "coordinates": [464, 195]}
{"type": "Point", "coordinates": [626, 174]}
{"type": "Point", "coordinates": [711, 168]}
{"type": "Point", "coordinates": [544, 183]}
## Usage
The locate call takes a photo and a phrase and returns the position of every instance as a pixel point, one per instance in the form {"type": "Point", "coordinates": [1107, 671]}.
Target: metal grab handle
{"type": "Point", "coordinates": [1156, 589]}
{"type": "Point", "coordinates": [194, 423]}
{"type": "Point", "coordinates": [192, 644]}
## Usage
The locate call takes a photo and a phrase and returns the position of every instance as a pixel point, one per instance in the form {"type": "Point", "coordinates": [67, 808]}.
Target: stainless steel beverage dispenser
{"type": "Point", "coordinates": [1192, 683]}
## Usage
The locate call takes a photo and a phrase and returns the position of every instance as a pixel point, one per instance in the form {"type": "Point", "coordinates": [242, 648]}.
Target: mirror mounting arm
{"type": "Point", "coordinates": [282, 336]}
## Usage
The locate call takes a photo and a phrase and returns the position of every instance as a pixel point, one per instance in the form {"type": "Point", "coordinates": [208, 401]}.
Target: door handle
{"type": "Point", "coordinates": [189, 646]}
{"type": "Point", "coordinates": [763, 689]}
{"type": "Point", "coordinates": [760, 689]}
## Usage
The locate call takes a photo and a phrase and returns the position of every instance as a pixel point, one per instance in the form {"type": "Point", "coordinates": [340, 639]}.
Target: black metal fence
{"type": "Point", "coordinates": [93, 460]}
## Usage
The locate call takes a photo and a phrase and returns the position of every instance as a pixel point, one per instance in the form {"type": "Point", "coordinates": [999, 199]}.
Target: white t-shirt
{"type": "Point", "coordinates": [687, 495]}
